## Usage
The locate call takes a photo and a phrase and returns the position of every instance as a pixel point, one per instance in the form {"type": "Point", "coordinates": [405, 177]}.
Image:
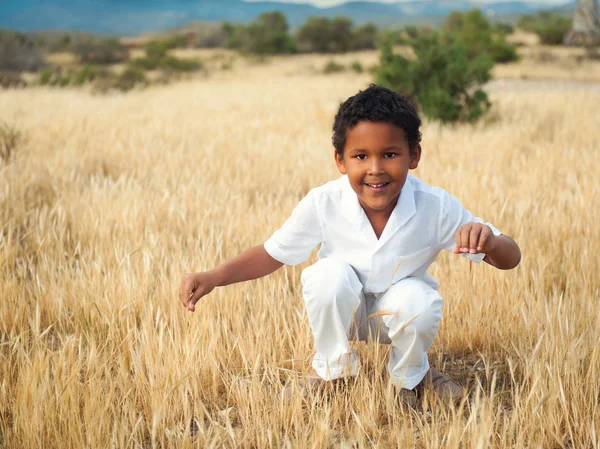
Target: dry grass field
{"type": "Point", "coordinates": [108, 200]}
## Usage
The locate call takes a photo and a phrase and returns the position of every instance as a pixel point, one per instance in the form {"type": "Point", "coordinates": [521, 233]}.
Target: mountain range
{"type": "Point", "coordinates": [132, 17]}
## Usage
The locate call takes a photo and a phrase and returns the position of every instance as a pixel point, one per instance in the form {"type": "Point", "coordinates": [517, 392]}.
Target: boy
{"type": "Point", "coordinates": [379, 230]}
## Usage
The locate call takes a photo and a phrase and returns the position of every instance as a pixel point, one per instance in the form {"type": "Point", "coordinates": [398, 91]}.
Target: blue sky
{"type": "Point", "coordinates": [326, 3]}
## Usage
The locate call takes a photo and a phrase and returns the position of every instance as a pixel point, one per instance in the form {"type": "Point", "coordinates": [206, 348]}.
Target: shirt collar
{"type": "Point", "coordinates": [354, 213]}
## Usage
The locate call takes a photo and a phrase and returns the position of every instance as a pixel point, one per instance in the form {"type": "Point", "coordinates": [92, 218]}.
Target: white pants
{"type": "Point", "coordinates": [407, 316]}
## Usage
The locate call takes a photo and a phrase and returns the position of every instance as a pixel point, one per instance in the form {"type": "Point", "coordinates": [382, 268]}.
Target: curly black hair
{"type": "Point", "coordinates": [376, 104]}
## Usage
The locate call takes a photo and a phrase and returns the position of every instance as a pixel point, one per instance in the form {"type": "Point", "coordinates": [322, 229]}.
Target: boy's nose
{"type": "Point", "coordinates": [376, 167]}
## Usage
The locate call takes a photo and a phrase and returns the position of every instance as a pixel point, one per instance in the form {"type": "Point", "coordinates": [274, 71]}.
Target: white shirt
{"type": "Point", "coordinates": [423, 222]}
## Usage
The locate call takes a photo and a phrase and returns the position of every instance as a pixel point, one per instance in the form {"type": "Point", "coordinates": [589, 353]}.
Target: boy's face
{"type": "Point", "coordinates": [376, 159]}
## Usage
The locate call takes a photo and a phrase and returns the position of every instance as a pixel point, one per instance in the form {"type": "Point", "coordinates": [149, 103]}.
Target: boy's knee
{"type": "Point", "coordinates": [419, 311]}
{"type": "Point", "coordinates": [328, 278]}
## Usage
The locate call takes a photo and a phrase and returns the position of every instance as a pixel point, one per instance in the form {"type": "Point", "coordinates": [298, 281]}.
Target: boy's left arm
{"type": "Point", "coordinates": [500, 251]}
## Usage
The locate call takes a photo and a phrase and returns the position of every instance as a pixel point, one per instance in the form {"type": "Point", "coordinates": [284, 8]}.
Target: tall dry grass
{"type": "Point", "coordinates": [108, 200]}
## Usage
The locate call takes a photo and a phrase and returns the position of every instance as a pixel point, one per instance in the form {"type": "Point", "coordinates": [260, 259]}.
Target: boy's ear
{"type": "Point", "coordinates": [339, 162]}
{"type": "Point", "coordinates": [415, 157]}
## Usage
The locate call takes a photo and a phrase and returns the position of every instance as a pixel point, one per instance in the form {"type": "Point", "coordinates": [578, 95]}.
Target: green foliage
{"type": "Point", "coordinates": [337, 35]}
{"type": "Point", "coordinates": [181, 65]}
{"type": "Point", "coordinates": [131, 77]}
{"type": "Point", "coordinates": [101, 51]}
{"type": "Point", "coordinates": [157, 58]}
{"type": "Point", "coordinates": [55, 77]}
{"type": "Point", "coordinates": [267, 35]}
{"type": "Point", "coordinates": [503, 28]}
{"type": "Point", "coordinates": [444, 78]}
{"type": "Point", "coordinates": [333, 67]}
{"type": "Point", "coordinates": [19, 52]}
{"type": "Point", "coordinates": [478, 36]}
{"type": "Point", "coordinates": [356, 67]}
{"type": "Point", "coordinates": [86, 74]}
{"type": "Point", "coordinates": [550, 26]}
{"type": "Point", "coordinates": [365, 37]}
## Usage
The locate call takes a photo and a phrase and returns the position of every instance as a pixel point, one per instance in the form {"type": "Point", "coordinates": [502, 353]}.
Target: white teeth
{"type": "Point", "coordinates": [376, 185]}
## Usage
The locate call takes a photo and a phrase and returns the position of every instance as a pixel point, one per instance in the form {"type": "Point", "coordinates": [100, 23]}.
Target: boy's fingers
{"type": "Point", "coordinates": [458, 237]}
{"type": "Point", "coordinates": [482, 239]}
{"type": "Point", "coordinates": [474, 237]}
{"type": "Point", "coordinates": [464, 240]}
{"type": "Point", "coordinates": [194, 298]}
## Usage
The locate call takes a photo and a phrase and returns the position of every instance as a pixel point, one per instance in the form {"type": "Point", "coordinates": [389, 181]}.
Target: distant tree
{"type": "Point", "coordinates": [101, 51]}
{"type": "Point", "coordinates": [586, 24]}
{"type": "Point", "coordinates": [315, 35]}
{"type": "Point", "coordinates": [18, 52]}
{"type": "Point", "coordinates": [342, 38]}
{"type": "Point", "coordinates": [550, 26]}
{"type": "Point", "coordinates": [365, 37]}
{"type": "Point", "coordinates": [476, 33]}
{"type": "Point", "coordinates": [324, 35]}
{"type": "Point", "coordinates": [267, 35]}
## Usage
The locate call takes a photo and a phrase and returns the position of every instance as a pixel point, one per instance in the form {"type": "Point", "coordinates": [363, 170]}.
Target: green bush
{"type": "Point", "coordinates": [86, 74]}
{"type": "Point", "coordinates": [131, 77]}
{"type": "Point", "coordinates": [101, 51]}
{"type": "Point", "coordinates": [333, 67]}
{"type": "Point", "coordinates": [267, 35]}
{"type": "Point", "coordinates": [444, 79]}
{"type": "Point", "coordinates": [181, 65]}
{"type": "Point", "coordinates": [357, 67]}
{"type": "Point", "coordinates": [18, 52]}
{"type": "Point", "coordinates": [337, 35]}
{"type": "Point", "coordinates": [551, 27]}
{"type": "Point", "coordinates": [477, 35]}
{"type": "Point", "coordinates": [55, 77]}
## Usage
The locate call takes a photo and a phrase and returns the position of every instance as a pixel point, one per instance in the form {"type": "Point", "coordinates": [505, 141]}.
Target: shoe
{"type": "Point", "coordinates": [443, 386]}
{"type": "Point", "coordinates": [408, 397]}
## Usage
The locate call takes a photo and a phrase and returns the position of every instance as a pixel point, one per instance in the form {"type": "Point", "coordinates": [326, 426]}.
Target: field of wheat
{"type": "Point", "coordinates": [105, 201]}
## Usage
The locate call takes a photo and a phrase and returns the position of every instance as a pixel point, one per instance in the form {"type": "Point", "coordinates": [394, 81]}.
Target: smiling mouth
{"type": "Point", "coordinates": [378, 185]}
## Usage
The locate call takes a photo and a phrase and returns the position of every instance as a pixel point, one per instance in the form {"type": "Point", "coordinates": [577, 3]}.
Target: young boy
{"type": "Point", "coordinates": [379, 229]}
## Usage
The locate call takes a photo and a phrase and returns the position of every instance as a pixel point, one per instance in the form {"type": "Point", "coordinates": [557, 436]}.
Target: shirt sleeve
{"type": "Point", "coordinates": [292, 243]}
{"type": "Point", "coordinates": [453, 215]}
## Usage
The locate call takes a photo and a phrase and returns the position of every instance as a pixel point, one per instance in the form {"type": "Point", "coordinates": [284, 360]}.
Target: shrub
{"type": "Point", "coordinates": [323, 35]}
{"type": "Point", "coordinates": [54, 77]}
{"type": "Point", "coordinates": [180, 65]}
{"type": "Point", "coordinates": [19, 53]}
{"type": "Point", "coordinates": [267, 35]}
{"type": "Point", "coordinates": [131, 77]}
{"type": "Point", "coordinates": [551, 27]}
{"type": "Point", "coordinates": [365, 37]}
{"type": "Point", "coordinates": [86, 74]}
{"type": "Point", "coordinates": [357, 67]}
{"type": "Point", "coordinates": [104, 51]}
{"type": "Point", "coordinates": [333, 67]}
{"type": "Point", "coordinates": [443, 79]}
{"type": "Point", "coordinates": [478, 36]}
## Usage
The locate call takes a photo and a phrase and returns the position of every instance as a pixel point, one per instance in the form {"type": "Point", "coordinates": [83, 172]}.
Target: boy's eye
{"type": "Point", "coordinates": [390, 155]}
{"type": "Point", "coordinates": [361, 157]}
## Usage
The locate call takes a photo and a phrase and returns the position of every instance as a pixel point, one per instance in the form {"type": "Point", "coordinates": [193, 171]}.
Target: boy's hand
{"type": "Point", "coordinates": [193, 287]}
{"type": "Point", "coordinates": [474, 238]}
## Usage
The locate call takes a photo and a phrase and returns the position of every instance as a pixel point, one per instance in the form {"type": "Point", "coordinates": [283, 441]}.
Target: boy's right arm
{"type": "Point", "coordinates": [250, 264]}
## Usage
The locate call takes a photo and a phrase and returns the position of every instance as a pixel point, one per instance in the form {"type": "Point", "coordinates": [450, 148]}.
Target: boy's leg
{"type": "Point", "coordinates": [334, 300]}
{"type": "Point", "coordinates": [413, 312]}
